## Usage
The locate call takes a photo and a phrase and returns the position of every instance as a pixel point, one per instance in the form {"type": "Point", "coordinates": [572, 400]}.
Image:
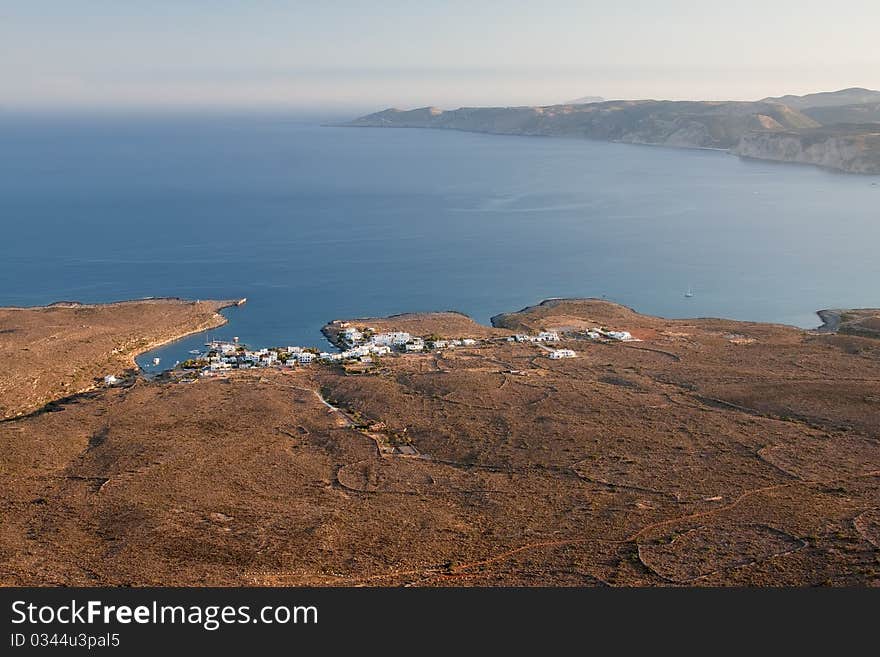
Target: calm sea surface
{"type": "Point", "coordinates": [313, 223]}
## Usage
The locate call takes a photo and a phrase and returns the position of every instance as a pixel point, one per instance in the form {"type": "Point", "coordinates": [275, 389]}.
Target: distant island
{"type": "Point", "coordinates": [586, 99]}
{"type": "Point", "coordinates": [838, 130]}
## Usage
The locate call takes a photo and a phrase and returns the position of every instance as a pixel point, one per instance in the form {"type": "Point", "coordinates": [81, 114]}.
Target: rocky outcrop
{"type": "Point", "coordinates": [854, 149]}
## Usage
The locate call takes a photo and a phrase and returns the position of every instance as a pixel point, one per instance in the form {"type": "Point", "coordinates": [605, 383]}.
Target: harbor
{"type": "Point", "coordinates": [367, 346]}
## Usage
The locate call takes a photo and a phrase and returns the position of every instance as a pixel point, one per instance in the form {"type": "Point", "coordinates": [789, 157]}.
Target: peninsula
{"type": "Point", "coordinates": [838, 130]}
{"type": "Point", "coordinates": [65, 348]}
{"type": "Point", "coordinates": [653, 452]}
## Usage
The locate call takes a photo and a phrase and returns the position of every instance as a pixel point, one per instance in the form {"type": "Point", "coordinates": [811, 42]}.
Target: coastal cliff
{"type": "Point", "coordinates": [851, 148]}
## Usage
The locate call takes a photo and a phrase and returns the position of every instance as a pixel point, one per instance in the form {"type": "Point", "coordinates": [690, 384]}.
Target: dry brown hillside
{"type": "Point", "coordinates": [55, 351]}
{"type": "Point", "coordinates": [712, 452]}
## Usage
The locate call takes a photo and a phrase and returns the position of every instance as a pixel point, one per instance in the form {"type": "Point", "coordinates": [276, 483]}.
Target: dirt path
{"type": "Point", "coordinates": [383, 447]}
{"type": "Point", "coordinates": [462, 570]}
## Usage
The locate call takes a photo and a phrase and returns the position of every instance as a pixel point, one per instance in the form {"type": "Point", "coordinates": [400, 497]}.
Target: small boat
{"type": "Point", "coordinates": [194, 351]}
{"type": "Point", "coordinates": [155, 361]}
{"type": "Point", "coordinates": [689, 293]}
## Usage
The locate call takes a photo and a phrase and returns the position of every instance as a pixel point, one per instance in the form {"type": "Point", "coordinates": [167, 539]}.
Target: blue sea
{"type": "Point", "coordinates": [313, 223]}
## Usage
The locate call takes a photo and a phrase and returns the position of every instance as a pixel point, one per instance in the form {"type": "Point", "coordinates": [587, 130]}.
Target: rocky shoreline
{"type": "Point", "coordinates": [864, 322]}
{"type": "Point", "coordinates": [830, 321]}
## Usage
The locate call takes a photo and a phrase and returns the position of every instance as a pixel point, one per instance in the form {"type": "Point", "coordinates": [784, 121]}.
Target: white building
{"type": "Point", "coordinates": [558, 354]}
{"type": "Point", "coordinates": [469, 342]}
{"type": "Point", "coordinates": [305, 357]}
{"type": "Point", "coordinates": [548, 336]}
{"type": "Point", "coordinates": [110, 380]}
{"type": "Point", "coordinates": [383, 339]}
{"type": "Point", "coordinates": [352, 336]}
{"type": "Point", "coordinates": [620, 335]}
{"type": "Point", "coordinates": [400, 338]}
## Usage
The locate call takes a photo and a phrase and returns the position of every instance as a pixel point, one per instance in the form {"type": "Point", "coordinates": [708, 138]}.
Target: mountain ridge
{"type": "Point", "coordinates": [700, 124]}
{"type": "Point", "coordinates": [851, 96]}
{"type": "Point", "coordinates": [734, 126]}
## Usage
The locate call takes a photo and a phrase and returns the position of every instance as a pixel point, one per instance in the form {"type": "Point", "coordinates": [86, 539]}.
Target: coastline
{"type": "Point", "coordinates": [864, 322]}
{"type": "Point", "coordinates": [455, 321]}
{"type": "Point", "coordinates": [216, 321]}
{"type": "Point", "coordinates": [643, 425]}
{"type": "Point", "coordinates": [686, 147]}
{"type": "Point", "coordinates": [227, 303]}
{"type": "Point", "coordinates": [682, 147]}
{"type": "Point", "coordinates": [828, 326]}
{"type": "Point", "coordinates": [830, 320]}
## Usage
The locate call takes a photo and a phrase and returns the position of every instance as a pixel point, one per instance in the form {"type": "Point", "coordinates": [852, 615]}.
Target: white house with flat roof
{"type": "Point", "coordinates": [352, 336]}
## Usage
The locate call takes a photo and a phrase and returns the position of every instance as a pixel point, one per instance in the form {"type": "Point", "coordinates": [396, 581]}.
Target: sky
{"type": "Point", "coordinates": [364, 56]}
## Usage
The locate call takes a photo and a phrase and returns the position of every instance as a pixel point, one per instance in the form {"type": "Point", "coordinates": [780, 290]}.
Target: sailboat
{"type": "Point", "coordinates": [689, 293]}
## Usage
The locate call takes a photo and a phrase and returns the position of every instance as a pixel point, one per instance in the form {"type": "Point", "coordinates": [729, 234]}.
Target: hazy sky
{"type": "Point", "coordinates": [371, 55]}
